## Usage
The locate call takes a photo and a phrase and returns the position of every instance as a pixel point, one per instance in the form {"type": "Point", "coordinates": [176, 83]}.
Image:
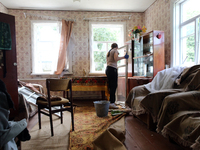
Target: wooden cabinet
{"type": "Point", "coordinates": [148, 58]}
{"type": "Point", "coordinates": [148, 54]}
{"type": "Point", "coordinates": [136, 81]}
{"type": "Point", "coordinates": [8, 68]}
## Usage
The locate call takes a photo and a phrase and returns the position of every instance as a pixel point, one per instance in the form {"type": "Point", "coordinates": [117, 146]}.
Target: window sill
{"type": "Point", "coordinates": [96, 74]}
{"type": "Point", "coordinates": [50, 74]}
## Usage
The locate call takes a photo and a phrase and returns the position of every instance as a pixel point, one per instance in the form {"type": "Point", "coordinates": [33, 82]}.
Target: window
{"type": "Point", "coordinates": [186, 33]}
{"type": "Point", "coordinates": [45, 46]}
{"type": "Point", "coordinates": [102, 35]}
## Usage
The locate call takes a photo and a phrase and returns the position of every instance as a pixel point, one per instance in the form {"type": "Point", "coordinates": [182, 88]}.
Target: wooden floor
{"type": "Point", "coordinates": [138, 137]}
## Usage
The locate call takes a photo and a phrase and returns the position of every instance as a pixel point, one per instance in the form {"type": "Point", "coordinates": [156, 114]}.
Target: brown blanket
{"type": "Point", "coordinates": [184, 101]}
{"type": "Point", "coordinates": [189, 80]}
{"type": "Point", "coordinates": [173, 108]}
{"type": "Point", "coordinates": [135, 96]}
{"type": "Point", "coordinates": [184, 129]}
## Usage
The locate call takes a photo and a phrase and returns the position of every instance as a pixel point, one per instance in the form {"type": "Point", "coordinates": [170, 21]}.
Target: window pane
{"type": "Point", "coordinates": [100, 61]}
{"type": "Point", "coordinates": [99, 46]}
{"type": "Point", "coordinates": [45, 57]}
{"type": "Point", "coordinates": [121, 53]}
{"type": "Point", "coordinates": [106, 34]}
{"type": "Point", "coordinates": [190, 9]}
{"type": "Point", "coordinates": [188, 29]}
{"type": "Point", "coordinates": [188, 45]}
{"type": "Point", "coordinates": [46, 46]}
{"type": "Point", "coordinates": [109, 46]}
{"type": "Point", "coordinates": [103, 35]}
{"type": "Point", "coordinates": [44, 32]}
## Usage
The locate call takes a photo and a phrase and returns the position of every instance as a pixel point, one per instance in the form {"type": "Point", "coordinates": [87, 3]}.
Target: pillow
{"type": "Point", "coordinates": [53, 98]}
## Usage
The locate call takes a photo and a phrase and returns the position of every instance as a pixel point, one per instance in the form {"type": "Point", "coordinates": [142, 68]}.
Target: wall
{"type": "Point", "coordinates": [3, 9]}
{"type": "Point", "coordinates": [157, 17]}
{"type": "Point", "coordinates": [80, 54]}
{"type": "Point", "coordinates": [80, 30]}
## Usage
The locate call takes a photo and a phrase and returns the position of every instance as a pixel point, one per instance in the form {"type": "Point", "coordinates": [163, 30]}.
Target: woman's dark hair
{"type": "Point", "coordinates": [114, 45]}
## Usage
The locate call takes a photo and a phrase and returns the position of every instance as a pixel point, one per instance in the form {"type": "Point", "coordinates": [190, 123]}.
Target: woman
{"type": "Point", "coordinates": [111, 72]}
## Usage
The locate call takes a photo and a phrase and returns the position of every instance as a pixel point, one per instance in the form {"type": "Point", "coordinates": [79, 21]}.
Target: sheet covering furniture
{"type": "Point", "coordinates": [9, 129]}
{"type": "Point", "coordinates": [27, 95]}
{"type": "Point", "coordinates": [175, 110]}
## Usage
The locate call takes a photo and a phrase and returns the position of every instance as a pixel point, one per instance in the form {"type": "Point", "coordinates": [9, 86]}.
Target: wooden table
{"type": "Point", "coordinates": [91, 83]}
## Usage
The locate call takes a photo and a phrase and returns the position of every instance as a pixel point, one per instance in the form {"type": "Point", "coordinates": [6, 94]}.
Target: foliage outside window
{"type": "Point", "coordinates": [101, 39]}
{"type": "Point", "coordinates": [186, 33]}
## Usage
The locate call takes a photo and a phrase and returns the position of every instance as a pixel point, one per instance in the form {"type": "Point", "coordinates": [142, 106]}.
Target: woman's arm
{"type": "Point", "coordinates": [118, 58]}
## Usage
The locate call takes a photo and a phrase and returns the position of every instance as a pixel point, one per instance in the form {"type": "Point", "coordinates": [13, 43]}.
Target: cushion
{"type": "Point", "coordinates": [53, 98]}
{"type": "Point", "coordinates": [60, 101]}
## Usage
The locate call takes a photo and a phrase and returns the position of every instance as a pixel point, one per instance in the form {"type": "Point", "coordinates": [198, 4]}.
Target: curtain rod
{"type": "Point", "coordinates": [48, 17]}
{"type": "Point", "coordinates": [109, 18]}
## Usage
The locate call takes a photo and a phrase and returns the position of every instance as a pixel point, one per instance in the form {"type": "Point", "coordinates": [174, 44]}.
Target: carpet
{"type": "Point", "coordinates": [86, 123]}
{"type": "Point", "coordinates": [42, 139]}
{"type": "Point", "coordinates": [88, 127]}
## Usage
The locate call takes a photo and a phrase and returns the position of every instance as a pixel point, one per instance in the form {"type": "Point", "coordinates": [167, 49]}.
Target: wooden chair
{"type": "Point", "coordinates": [56, 85]}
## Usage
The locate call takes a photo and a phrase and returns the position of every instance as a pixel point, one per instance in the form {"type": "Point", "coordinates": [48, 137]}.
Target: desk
{"type": "Point", "coordinates": [91, 84]}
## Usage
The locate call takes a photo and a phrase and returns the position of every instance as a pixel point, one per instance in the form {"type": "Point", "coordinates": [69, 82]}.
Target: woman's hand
{"type": "Point", "coordinates": [126, 56]}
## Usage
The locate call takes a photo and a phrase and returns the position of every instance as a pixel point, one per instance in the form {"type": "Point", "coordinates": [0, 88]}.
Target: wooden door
{"type": "Point", "coordinates": [8, 69]}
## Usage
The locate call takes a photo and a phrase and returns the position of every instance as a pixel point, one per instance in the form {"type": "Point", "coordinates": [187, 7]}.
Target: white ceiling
{"type": "Point", "coordinates": [80, 5]}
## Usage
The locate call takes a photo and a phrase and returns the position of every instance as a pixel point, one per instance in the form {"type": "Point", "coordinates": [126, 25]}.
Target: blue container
{"type": "Point", "coordinates": [101, 108]}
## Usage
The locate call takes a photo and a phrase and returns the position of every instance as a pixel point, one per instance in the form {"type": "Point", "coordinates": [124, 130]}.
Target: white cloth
{"type": "Point", "coordinates": [164, 79]}
{"type": "Point", "coordinates": [9, 129]}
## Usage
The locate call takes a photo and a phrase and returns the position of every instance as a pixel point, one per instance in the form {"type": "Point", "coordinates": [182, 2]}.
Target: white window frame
{"type": "Point", "coordinates": [91, 38]}
{"type": "Point", "coordinates": [176, 26]}
{"type": "Point", "coordinates": [69, 49]}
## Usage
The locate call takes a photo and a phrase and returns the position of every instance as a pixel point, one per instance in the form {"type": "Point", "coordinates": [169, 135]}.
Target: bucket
{"type": "Point", "coordinates": [101, 108]}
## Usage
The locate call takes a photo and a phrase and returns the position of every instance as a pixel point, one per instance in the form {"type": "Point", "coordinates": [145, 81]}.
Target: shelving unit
{"type": "Point", "coordinates": [148, 54]}
{"type": "Point", "coordinates": [147, 57]}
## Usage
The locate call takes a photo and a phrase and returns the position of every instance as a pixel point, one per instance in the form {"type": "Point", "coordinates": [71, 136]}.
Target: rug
{"type": "Point", "coordinates": [88, 127]}
{"type": "Point", "coordinates": [41, 139]}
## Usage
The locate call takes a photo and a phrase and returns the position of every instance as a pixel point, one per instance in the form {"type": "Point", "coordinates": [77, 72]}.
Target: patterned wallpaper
{"type": "Point", "coordinates": [156, 17]}
{"type": "Point", "coordinates": [80, 54]}
{"type": "Point", "coordinates": [3, 9]}
{"type": "Point", "coordinates": [80, 31]}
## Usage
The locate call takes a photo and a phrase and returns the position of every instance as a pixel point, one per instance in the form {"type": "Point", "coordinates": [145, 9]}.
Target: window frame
{"type": "Point", "coordinates": [176, 26]}
{"type": "Point", "coordinates": [65, 71]}
{"type": "Point", "coordinates": [91, 72]}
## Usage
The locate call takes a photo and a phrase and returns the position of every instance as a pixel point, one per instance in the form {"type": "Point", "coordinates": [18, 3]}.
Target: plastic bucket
{"type": "Point", "coordinates": [101, 108]}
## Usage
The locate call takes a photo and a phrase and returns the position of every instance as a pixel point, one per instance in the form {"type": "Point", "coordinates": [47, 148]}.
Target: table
{"type": "Point", "coordinates": [91, 83]}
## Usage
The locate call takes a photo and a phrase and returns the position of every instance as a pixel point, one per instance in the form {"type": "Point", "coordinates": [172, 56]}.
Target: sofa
{"type": "Point", "coordinates": [172, 103]}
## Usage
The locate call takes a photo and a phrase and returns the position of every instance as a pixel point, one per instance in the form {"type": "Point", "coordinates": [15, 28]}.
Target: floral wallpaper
{"type": "Point", "coordinates": [80, 55]}
{"type": "Point", "coordinates": [3, 9]}
{"type": "Point", "coordinates": [156, 17]}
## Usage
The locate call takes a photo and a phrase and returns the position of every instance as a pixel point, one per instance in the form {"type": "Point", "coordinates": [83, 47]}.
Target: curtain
{"type": "Point", "coordinates": [64, 41]}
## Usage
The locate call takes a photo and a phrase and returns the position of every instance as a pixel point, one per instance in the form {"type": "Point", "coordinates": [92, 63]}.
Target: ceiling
{"type": "Point", "coordinates": [80, 5]}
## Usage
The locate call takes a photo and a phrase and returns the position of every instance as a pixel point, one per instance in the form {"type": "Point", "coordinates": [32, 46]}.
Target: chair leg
{"type": "Point", "coordinates": [39, 117]}
{"type": "Point", "coordinates": [51, 122]}
{"type": "Point", "coordinates": [72, 117]}
{"type": "Point", "coordinates": [61, 114]}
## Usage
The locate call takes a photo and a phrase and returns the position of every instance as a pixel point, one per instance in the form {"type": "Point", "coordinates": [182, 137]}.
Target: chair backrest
{"type": "Point", "coordinates": [58, 84]}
